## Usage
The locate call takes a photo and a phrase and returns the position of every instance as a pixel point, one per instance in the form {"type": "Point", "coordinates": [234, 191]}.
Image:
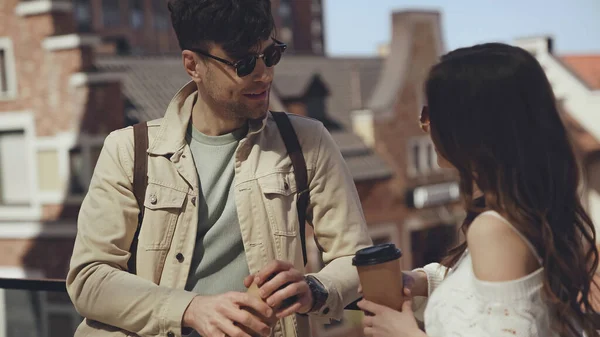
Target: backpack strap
{"type": "Point", "coordinates": [140, 183]}
{"type": "Point", "coordinates": [290, 139]}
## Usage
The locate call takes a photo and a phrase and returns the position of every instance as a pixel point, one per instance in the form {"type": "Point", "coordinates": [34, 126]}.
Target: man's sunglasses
{"type": "Point", "coordinates": [245, 66]}
{"type": "Point", "coordinates": [424, 119]}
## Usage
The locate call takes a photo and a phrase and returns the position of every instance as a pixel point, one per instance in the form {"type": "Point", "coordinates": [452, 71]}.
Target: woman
{"type": "Point", "coordinates": [526, 266]}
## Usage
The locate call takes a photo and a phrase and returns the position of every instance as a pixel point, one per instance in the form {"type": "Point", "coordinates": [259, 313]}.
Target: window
{"type": "Point", "coordinates": [65, 166]}
{"type": "Point", "coordinates": [422, 157]}
{"type": "Point", "coordinates": [317, 47]}
{"type": "Point", "coordinates": [315, 7]}
{"type": "Point", "coordinates": [82, 161]}
{"type": "Point", "coordinates": [83, 15]}
{"type": "Point", "coordinates": [385, 233]}
{"type": "Point", "coordinates": [49, 179]}
{"type": "Point", "coordinates": [111, 15]}
{"type": "Point", "coordinates": [18, 167]}
{"type": "Point", "coordinates": [3, 68]}
{"type": "Point", "coordinates": [8, 76]}
{"type": "Point", "coordinates": [315, 27]}
{"type": "Point", "coordinates": [136, 11]}
{"type": "Point", "coordinates": [14, 177]}
{"type": "Point", "coordinates": [77, 177]}
{"type": "Point", "coordinates": [432, 244]}
{"type": "Point", "coordinates": [161, 19]}
{"type": "Point", "coordinates": [285, 10]}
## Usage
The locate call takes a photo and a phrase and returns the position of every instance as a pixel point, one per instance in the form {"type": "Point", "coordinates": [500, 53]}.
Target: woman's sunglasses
{"type": "Point", "coordinates": [424, 119]}
{"type": "Point", "coordinates": [245, 66]}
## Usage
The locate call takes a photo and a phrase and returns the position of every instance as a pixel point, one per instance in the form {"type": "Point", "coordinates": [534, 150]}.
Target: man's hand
{"type": "Point", "coordinates": [223, 315]}
{"type": "Point", "coordinates": [279, 281]}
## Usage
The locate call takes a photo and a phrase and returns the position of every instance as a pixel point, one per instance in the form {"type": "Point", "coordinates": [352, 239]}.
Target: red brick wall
{"type": "Point", "coordinates": [103, 110]}
{"type": "Point", "coordinates": [43, 76]}
{"type": "Point", "coordinates": [48, 255]}
{"type": "Point", "coordinates": [302, 26]}
{"type": "Point", "coordinates": [392, 135]}
{"type": "Point", "coordinates": [384, 201]}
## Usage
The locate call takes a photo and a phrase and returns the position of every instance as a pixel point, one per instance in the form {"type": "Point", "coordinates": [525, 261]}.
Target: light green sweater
{"type": "Point", "coordinates": [219, 264]}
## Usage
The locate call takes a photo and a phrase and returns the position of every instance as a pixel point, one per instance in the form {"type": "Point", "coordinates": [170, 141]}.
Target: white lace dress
{"type": "Point", "coordinates": [462, 305]}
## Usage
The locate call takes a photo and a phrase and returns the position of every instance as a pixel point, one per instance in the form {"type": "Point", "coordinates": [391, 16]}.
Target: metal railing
{"type": "Point", "coordinates": [41, 307]}
{"type": "Point", "coordinates": [36, 307]}
{"type": "Point", "coordinates": [53, 285]}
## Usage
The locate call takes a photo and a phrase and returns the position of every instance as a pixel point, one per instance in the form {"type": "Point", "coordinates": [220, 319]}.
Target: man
{"type": "Point", "coordinates": [220, 205]}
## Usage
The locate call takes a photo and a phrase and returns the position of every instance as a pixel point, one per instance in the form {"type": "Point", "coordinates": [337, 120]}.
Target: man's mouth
{"type": "Point", "coordinates": [257, 95]}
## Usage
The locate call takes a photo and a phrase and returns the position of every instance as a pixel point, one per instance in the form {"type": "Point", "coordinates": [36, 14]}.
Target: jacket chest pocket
{"type": "Point", "coordinates": [163, 205]}
{"type": "Point", "coordinates": [280, 193]}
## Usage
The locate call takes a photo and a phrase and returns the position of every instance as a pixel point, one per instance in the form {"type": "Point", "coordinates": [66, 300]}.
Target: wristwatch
{"type": "Point", "coordinates": [318, 291]}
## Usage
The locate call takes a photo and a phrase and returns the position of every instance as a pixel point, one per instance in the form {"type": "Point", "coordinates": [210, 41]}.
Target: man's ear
{"type": "Point", "coordinates": [192, 63]}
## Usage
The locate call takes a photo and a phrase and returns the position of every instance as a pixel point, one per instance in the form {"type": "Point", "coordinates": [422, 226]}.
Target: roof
{"type": "Point", "coordinates": [586, 67]}
{"type": "Point", "coordinates": [151, 82]}
{"type": "Point", "coordinates": [404, 51]}
{"type": "Point", "coordinates": [364, 164]}
{"type": "Point", "coordinates": [350, 81]}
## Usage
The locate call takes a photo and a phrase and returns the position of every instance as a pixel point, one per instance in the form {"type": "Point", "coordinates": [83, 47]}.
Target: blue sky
{"type": "Point", "coordinates": [357, 27]}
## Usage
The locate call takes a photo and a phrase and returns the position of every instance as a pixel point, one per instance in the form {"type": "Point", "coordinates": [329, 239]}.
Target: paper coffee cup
{"type": "Point", "coordinates": [380, 274]}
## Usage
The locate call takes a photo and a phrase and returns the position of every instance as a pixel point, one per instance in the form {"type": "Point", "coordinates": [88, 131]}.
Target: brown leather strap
{"type": "Point", "coordinates": [290, 139]}
{"type": "Point", "coordinates": [140, 183]}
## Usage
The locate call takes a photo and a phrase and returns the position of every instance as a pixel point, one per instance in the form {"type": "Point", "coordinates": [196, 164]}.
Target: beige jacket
{"type": "Point", "coordinates": [152, 303]}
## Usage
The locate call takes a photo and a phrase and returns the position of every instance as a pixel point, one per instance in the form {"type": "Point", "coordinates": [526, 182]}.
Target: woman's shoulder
{"type": "Point", "coordinates": [499, 252]}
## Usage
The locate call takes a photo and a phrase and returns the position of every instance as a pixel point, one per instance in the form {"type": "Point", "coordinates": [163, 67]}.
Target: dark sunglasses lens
{"type": "Point", "coordinates": [246, 66]}
{"type": "Point", "coordinates": [272, 56]}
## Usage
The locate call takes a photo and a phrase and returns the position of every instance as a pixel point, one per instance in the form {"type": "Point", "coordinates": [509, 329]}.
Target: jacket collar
{"type": "Point", "coordinates": [171, 135]}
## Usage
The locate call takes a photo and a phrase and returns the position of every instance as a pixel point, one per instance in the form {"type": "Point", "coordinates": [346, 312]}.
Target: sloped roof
{"type": "Point", "coordinates": [151, 82]}
{"type": "Point", "coordinates": [351, 81]}
{"type": "Point", "coordinates": [586, 67]}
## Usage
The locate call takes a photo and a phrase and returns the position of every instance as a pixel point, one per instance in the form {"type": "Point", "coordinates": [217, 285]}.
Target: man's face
{"type": "Point", "coordinates": [244, 97]}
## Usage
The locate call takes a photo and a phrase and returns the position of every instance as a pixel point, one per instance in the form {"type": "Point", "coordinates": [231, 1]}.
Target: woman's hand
{"type": "Point", "coordinates": [381, 321]}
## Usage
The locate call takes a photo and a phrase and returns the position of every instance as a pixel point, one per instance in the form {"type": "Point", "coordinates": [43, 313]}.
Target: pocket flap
{"type": "Point", "coordinates": [283, 183]}
{"type": "Point", "coordinates": [158, 197]}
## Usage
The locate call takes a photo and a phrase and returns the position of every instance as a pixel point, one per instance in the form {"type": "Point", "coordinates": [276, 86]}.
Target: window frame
{"type": "Point", "coordinates": [11, 93]}
{"type": "Point", "coordinates": [13, 121]}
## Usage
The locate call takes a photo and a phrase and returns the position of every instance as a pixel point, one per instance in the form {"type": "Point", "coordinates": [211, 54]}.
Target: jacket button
{"type": "Point", "coordinates": [153, 199]}
{"type": "Point", "coordinates": [194, 201]}
{"type": "Point", "coordinates": [286, 186]}
{"type": "Point", "coordinates": [179, 257]}
{"type": "Point", "coordinates": [326, 311]}
{"type": "Point", "coordinates": [170, 334]}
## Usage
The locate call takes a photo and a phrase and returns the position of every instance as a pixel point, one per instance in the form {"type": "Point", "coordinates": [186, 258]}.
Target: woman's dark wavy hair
{"type": "Point", "coordinates": [495, 118]}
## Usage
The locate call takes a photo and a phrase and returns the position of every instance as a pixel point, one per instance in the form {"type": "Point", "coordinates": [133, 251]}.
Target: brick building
{"type": "Point", "coordinates": [371, 107]}
{"type": "Point", "coordinates": [54, 114]}
{"type": "Point", "coordinates": [300, 25]}
{"type": "Point", "coordinates": [144, 26]}
{"type": "Point", "coordinates": [58, 100]}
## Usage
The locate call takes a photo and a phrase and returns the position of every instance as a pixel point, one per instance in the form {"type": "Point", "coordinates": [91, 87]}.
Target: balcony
{"type": "Point", "coordinates": [42, 308]}
{"type": "Point", "coordinates": [36, 308]}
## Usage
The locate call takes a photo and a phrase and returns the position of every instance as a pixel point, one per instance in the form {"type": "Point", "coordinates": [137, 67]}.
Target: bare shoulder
{"type": "Point", "coordinates": [497, 251]}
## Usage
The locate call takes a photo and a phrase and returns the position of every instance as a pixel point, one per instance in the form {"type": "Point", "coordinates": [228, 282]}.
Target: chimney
{"type": "Point", "coordinates": [362, 125]}
{"type": "Point", "coordinates": [356, 99]}
{"type": "Point", "coordinates": [536, 45]}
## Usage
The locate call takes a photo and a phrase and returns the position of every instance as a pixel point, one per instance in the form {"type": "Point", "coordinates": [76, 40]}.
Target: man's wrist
{"type": "Point", "coordinates": [318, 291]}
{"type": "Point", "coordinates": [188, 315]}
